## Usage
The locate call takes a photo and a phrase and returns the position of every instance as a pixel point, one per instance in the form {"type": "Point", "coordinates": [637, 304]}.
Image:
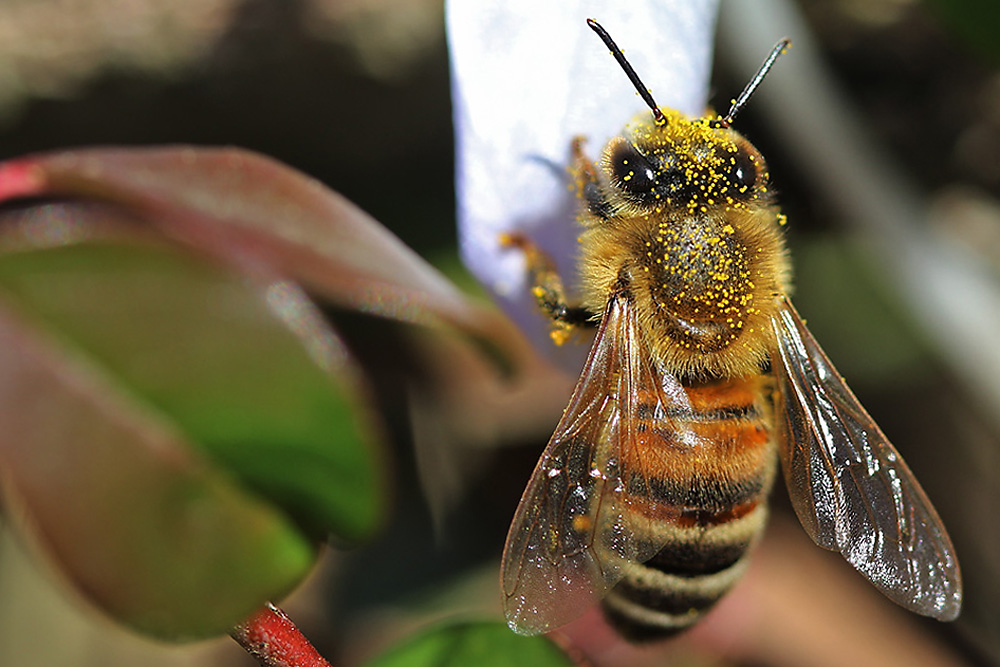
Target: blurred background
{"type": "Point", "coordinates": [356, 94]}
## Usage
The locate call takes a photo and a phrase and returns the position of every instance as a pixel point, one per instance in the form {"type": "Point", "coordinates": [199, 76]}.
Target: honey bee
{"type": "Point", "coordinates": [653, 489]}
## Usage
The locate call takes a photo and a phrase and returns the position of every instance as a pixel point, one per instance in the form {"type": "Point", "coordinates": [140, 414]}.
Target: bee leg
{"type": "Point", "coordinates": [548, 288]}
{"type": "Point", "coordinates": [586, 182]}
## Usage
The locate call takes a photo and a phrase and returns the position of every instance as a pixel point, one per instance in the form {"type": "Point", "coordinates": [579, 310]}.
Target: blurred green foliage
{"type": "Point", "coordinates": [201, 346]}
{"type": "Point", "coordinates": [482, 644]}
{"type": "Point", "coordinates": [976, 21]}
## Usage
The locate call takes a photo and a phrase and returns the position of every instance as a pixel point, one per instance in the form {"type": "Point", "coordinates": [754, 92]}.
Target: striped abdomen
{"type": "Point", "coordinates": [700, 475]}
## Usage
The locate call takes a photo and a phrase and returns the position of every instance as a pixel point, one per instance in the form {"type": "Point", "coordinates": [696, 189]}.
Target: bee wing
{"type": "Point", "coordinates": [851, 489]}
{"type": "Point", "coordinates": [571, 532]}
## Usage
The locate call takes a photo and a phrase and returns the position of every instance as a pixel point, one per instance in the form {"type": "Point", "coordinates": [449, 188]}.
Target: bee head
{"type": "Point", "coordinates": [675, 161]}
{"type": "Point", "coordinates": [685, 163]}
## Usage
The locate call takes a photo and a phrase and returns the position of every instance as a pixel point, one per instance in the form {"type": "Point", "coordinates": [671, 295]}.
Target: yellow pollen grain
{"type": "Point", "coordinates": [559, 336]}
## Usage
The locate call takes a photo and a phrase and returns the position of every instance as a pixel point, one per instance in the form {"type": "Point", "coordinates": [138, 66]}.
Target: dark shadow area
{"type": "Point", "coordinates": [270, 86]}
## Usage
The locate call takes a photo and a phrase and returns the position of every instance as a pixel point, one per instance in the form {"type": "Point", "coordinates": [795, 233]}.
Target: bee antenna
{"type": "Point", "coordinates": [744, 97]}
{"type": "Point", "coordinates": [632, 76]}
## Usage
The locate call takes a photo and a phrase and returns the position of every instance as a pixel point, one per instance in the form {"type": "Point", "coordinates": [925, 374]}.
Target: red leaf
{"type": "Point", "coordinates": [265, 216]}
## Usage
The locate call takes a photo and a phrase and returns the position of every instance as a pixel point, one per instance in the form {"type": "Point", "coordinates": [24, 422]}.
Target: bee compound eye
{"type": "Point", "coordinates": [743, 173]}
{"type": "Point", "coordinates": [631, 172]}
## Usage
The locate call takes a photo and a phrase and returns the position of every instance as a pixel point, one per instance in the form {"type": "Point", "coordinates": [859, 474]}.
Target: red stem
{"type": "Point", "coordinates": [271, 637]}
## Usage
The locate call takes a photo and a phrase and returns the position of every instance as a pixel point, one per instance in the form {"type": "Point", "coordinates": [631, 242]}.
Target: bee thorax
{"type": "Point", "coordinates": [700, 280]}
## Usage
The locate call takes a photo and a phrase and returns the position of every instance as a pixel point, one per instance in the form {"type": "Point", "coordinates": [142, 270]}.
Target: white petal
{"type": "Point", "coordinates": [528, 76]}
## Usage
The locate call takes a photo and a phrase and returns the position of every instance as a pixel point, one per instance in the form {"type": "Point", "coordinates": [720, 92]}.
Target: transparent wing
{"type": "Point", "coordinates": [575, 525]}
{"type": "Point", "coordinates": [851, 489]}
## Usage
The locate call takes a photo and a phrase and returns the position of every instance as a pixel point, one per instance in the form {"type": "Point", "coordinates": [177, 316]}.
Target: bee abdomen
{"type": "Point", "coordinates": [705, 502]}
{"type": "Point", "coordinates": [712, 494]}
{"type": "Point", "coordinates": [678, 585]}
{"type": "Point", "coordinates": [649, 604]}
{"type": "Point", "coordinates": [697, 559]}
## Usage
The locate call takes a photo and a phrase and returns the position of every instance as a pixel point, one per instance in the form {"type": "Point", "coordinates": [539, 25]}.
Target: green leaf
{"type": "Point", "coordinates": [201, 346]}
{"type": "Point", "coordinates": [482, 644]}
{"type": "Point", "coordinates": [162, 420]}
